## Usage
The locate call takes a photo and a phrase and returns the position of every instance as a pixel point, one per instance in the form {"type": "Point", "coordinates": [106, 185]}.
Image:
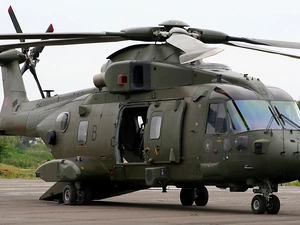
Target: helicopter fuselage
{"type": "Point", "coordinates": [121, 137]}
{"type": "Point", "coordinates": [155, 124]}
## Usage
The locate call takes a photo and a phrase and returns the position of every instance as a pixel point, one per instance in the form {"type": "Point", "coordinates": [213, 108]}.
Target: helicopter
{"type": "Point", "coordinates": [157, 116]}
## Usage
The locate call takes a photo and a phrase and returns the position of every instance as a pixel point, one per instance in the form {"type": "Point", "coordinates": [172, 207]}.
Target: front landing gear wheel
{"type": "Point", "coordinates": [187, 196]}
{"type": "Point", "coordinates": [70, 194]}
{"type": "Point", "coordinates": [258, 204]}
{"type": "Point", "coordinates": [201, 196]}
{"type": "Point", "coordinates": [273, 205]}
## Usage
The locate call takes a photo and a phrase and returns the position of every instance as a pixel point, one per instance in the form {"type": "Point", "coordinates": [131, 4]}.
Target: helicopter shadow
{"type": "Point", "coordinates": [168, 206]}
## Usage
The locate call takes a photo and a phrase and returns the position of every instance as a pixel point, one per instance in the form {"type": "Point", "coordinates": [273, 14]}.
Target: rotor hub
{"type": "Point", "coordinates": [169, 24]}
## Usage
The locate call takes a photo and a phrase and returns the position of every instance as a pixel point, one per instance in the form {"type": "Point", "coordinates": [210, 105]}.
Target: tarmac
{"type": "Point", "coordinates": [20, 204]}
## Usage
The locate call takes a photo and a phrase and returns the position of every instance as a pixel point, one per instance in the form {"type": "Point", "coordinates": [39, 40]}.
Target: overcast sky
{"type": "Point", "coordinates": [69, 68]}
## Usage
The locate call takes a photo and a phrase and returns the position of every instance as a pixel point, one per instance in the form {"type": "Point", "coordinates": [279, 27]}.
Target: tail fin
{"type": "Point", "coordinates": [13, 85]}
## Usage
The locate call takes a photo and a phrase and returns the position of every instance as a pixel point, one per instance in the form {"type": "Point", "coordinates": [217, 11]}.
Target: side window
{"type": "Point", "coordinates": [155, 125]}
{"type": "Point", "coordinates": [62, 121]}
{"type": "Point", "coordinates": [82, 132]}
{"type": "Point", "coordinates": [216, 120]}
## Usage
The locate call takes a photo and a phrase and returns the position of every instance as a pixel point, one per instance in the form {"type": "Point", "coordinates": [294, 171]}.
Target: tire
{"type": "Point", "coordinates": [70, 194]}
{"type": "Point", "coordinates": [187, 196]}
{"type": "Point", "coordinates": [85, 196]}
{"type": "Point", "coordinates": [201, 196]}
{"type": "Point", "coordinates": [273, 206]}
{"type": "Point", "coordinates": [258, 204]}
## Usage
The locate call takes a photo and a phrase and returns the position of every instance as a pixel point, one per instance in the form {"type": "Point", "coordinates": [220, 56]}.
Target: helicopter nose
{"type": "Point", "coordinates": [283, 159]}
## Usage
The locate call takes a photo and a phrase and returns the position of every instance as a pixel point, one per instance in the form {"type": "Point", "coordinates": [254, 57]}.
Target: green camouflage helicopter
{"type": "Point", "coordinates": [157, 116]}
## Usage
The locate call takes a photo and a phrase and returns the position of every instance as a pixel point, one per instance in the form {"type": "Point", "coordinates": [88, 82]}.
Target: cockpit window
{"type": "Point", "coordinates": [289, 112]}
{"type": "Point", "coordinates": [279, 94]}
{"type": "Point", "coordinates": [216, 121]}
{"type": "Point", "coordinates": [228, 92]}
{"type": "Point", "coordinates": [248, 115]}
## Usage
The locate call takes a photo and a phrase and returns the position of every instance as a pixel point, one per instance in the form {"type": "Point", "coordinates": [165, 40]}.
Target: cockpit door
{"type": "Point", "coordinates": [163, 131]}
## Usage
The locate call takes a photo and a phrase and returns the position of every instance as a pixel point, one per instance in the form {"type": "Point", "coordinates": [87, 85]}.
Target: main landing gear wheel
{"type": "Point", "coordinates": [273, 205]}
{"type": "Point", "coordinates": [187, 196]}
{"type": "Point", "coordinates": [201, 196]}
{"type": "Point", "coordinates": [261, 204]}
{"type": "Point", "coordinates": [70, 194]}
{"type": "Point", "coordinates": [258, 204]}
{"type": "Point", "coordinates": [84, 196]}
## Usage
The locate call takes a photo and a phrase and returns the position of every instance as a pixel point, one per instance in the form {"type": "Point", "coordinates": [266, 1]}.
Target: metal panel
{"type": "Point", "coordinates": [166, 147]}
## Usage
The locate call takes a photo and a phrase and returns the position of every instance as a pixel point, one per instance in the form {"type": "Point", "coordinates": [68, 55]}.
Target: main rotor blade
{"type": "Point", "coordinates": [217, 37]}
{"type": "Point", "coordinates": [137, 34]}
{"type": "Point", "coordinates": [272, 43]}
{"type": "Point", "coordinates": [240, 45]}
{"type": "Point", "coordinates": [142, 34]}
{"type": "Point", "coordinates": [60, 35]}
{"type": "Point", "coordinates": [70, 41]}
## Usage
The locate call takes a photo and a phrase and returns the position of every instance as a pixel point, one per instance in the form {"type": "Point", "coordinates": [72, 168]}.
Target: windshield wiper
{"type": "Point", "coordinates": [271, 120]}
{"type": "Point", "coordinates": [286, 119]}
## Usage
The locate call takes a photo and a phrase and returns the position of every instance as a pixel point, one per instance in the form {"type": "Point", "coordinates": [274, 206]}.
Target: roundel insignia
{"type": "Point", "coordinates": [207, 145]}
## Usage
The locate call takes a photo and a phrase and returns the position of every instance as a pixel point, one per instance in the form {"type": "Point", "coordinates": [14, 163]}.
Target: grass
{"type": "Point", "coordinates": [292, 183]}
{"type": "Point", "coordinates": [18, 163]}
{"type": "Point", "coordinates": [12, 172]}
{"type": "Point", "coordinates": [26, 159]}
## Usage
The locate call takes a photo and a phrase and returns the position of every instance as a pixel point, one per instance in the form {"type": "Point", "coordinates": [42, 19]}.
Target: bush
{"type": "Point", "coordinates": [30, 157]}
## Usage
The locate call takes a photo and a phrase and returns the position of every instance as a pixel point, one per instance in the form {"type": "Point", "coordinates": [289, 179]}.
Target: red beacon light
{"type": "Point", "coordinates": [123, 79]}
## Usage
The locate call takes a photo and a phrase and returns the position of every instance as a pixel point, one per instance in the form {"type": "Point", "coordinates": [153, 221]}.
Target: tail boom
{"type": "Point", "coordinates": [13, 88]}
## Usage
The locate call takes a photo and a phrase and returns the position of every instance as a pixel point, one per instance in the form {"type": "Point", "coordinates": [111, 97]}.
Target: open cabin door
{"type": "Point", "coordinates": [163, 131]}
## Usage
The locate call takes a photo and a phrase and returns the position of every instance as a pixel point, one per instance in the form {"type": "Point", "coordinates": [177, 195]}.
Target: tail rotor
{"type": "Point", "coordinates": [31, 54]}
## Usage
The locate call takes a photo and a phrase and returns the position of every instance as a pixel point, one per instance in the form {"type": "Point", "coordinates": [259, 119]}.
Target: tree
{"type": "Point", "coordinates": [3, 146]}
{"type": "Point", "coordinates": [298, 104]}
{"type": "Point", "coordinates": [25, 142]}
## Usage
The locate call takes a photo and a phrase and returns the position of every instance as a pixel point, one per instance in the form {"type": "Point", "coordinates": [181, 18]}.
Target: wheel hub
{"type": "Point", "coordinates": [256, 204]}
{"type": "Point", "coordinates": [67, 195]}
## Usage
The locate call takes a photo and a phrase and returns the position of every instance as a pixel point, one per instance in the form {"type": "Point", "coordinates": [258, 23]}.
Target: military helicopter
{"type": "Point", "coordinates": [157, 116]}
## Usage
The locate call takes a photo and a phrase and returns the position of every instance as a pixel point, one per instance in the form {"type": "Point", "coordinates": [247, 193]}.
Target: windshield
{"type": "Point", "coordinates": [248, 115]}
{"type": "Point", "coordinates": [290, 112]}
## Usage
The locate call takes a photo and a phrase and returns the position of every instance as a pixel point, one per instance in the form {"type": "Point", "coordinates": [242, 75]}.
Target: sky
{"type": "Point", "coordinates": [69, 68]}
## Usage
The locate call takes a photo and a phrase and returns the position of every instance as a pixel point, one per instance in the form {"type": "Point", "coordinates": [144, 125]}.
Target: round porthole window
{"type": "Point", "coordinates": [63, 121]}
